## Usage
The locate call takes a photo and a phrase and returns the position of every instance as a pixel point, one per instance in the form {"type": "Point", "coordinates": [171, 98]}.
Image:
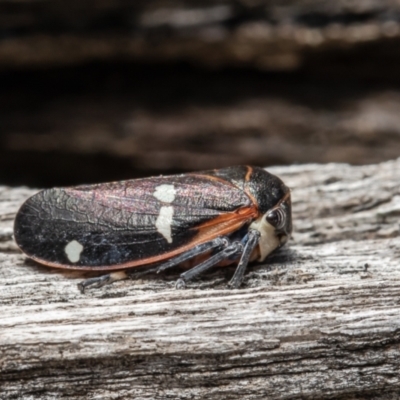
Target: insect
{"type": "Point", "coordinates": [218, 217]}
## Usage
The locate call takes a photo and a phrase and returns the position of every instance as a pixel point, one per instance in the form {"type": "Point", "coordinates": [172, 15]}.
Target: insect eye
{"type": "Point", "coordinates": [276, 218]}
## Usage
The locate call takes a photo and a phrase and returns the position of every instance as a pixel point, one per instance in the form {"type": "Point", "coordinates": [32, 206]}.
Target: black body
{"type": "Point", "coordinates": [120, 225]}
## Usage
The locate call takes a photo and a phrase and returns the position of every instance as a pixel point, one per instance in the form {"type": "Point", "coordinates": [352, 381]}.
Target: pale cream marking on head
{"type": "Point", "coordinates": [164, 222]}
{"type": "Point", "coordinates": [268, 241]}
{"type": "Point", "coordinates": [73, 251]}
{"type": "Point", "coordinates": [165, 193]}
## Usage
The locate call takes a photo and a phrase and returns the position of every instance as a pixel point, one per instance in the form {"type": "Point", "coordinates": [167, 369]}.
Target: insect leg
{"type": "Point", "coordinates": [116, 276]}
{"type": "Point", "coordinates": [251, 241]}
{"type": "Point", "coordinates": [232, 249]}
{"type": "Point", "coordinates": [102, 280]}
{"type": "Point", "coordinates": [197, 250]}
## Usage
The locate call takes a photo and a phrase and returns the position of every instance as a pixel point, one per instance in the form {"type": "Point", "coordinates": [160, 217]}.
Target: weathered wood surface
{"type": "Point", "coordinates": [320, 320]}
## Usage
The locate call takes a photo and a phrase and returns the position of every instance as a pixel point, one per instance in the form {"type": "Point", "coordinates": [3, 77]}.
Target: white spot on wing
{"type": "Point", "coordinates": [73, 251]}
{"type": "Point", "coordinates": [165, 193]}
{"type": "Point", "coordinates": [164, 222]}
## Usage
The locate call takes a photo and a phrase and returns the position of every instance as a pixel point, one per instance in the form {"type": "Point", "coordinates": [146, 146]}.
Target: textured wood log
{"type": "Point", "coordinates": [319, 320]}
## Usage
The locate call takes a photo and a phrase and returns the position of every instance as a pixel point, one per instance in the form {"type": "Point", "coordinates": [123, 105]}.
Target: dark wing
{"type": "Point", "coordinates": [124, 224]}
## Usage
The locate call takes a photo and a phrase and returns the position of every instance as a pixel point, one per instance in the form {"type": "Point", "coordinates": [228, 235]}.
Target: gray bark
{"type": "Point", "coordinates": [319, 320]}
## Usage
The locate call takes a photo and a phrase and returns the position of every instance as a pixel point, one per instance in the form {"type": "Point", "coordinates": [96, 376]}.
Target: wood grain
{"type": "Point", "coordinates": [320, 320]}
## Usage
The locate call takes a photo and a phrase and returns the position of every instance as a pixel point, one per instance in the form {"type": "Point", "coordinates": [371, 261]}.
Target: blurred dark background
{"type": "Point", "coordinates": [106, 90]}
